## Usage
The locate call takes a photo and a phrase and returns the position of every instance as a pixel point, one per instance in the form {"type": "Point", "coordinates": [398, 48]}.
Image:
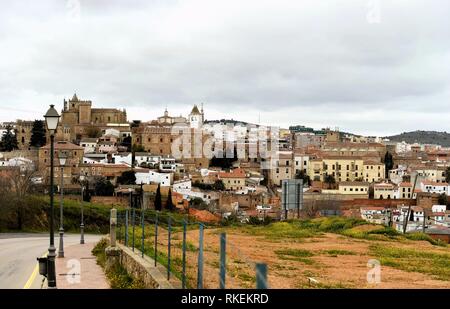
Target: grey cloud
{"type": "Point", "coordinates": [241, 58]}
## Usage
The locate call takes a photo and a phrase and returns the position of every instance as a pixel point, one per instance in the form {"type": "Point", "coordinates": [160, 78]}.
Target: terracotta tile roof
{"type": "Point", "coordinates": [64, 146]}
{"type": "Point", "coordinates": [373, 208]}
{"type": "Point", "coordinates": [236, 173]}
{"type": "Point", "coordinates": [433, 183]}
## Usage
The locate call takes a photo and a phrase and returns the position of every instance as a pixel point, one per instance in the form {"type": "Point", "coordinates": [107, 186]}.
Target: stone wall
{"type": "Point", "coordinates": [143, 268]}
{"type": "Point", "coordinates": [111, 200]}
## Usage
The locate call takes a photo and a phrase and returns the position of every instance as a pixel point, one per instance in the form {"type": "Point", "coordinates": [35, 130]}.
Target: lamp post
{"type": "Point", "coordinates": [51, 120]}
{"type": "Point", "coordinates": [62, 161]}
{"type": "Point", "coordinates": [82, 179]}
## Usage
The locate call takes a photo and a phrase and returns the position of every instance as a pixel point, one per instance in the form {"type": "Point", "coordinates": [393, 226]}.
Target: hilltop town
{"type": "Point", "coordinates": [311, 173]}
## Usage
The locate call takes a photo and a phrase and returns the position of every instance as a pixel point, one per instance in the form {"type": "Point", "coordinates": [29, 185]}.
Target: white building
{"type": "Point", "coordinates": [373, 214]}
{"type": "Point", "coordinates": [89, 144]}
{"type": "Point", "coordinates": [434, 187]}
{"type": "Point", "coordinates": [206, 196]}
{"type": "Point", "coordinates": [396, 175]}
{"type": "Point", "coordinates": [301, 163]}
{"type": "Point", "coordinates": [180, 185]}
{"type": "Point", "coordinates": [167, 164]}
{"type": "Point", "coordinates": [147, 177]}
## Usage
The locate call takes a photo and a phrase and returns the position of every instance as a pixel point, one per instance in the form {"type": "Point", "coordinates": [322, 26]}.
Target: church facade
{"type": "Point", "coordinates": [79, 120]}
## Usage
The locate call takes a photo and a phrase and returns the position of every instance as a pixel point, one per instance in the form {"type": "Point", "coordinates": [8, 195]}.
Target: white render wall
{"type": "Point", "coordinates": [164, 179]}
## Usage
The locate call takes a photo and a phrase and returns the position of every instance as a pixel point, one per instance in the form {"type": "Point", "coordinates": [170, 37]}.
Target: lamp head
{"type": "Point", "coordinates": [51, 119]}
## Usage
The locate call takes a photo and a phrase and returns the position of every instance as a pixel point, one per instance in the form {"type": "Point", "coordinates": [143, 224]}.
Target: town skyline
{"type": "Point", "coordinates": [144, 115]}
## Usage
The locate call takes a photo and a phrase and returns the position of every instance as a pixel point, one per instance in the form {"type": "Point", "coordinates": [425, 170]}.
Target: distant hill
{"type": "Point", "coordinates": [423, 137]}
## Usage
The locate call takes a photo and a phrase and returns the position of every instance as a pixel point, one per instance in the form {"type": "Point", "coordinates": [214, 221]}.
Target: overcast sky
{"type": "Point", "coordinates": [367, 66]}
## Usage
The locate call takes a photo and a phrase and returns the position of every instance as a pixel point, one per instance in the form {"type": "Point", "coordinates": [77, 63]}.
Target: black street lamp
{"type": "Point", "coordinates": [62, 161]}
{"type": "Point", "coordinates": [51, 120]}
{"type": "Point", "coordinates": [83, 180]}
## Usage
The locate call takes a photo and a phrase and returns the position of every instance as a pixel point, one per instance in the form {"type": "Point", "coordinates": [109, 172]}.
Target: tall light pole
{"type": "Point", "coordinates": [62, 161]}
{"type": "Point", "coordinates": [51, 120]}
{"type": "Point", "coordinates": [82, 179]}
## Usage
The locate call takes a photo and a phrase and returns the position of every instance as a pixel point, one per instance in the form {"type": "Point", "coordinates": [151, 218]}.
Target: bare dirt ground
{"type": "Point", "coordinates": [346, 268]}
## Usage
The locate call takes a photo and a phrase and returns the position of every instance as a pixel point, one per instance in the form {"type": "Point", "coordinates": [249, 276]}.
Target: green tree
{"type": "Point", "coordinates": [443, 199]}
{"type": "Point", "coordinates": [9, 139]}
{"type": "Point", "coordinates": [38, 138]}
{"type": "Point", "coordinates": [219, 185]}
{"type": "Point", "coordinates": [138, 148]}
{"type": "Point", "coordinates": [104, 187]}
{"type": "Point", "coordinates": [388, 163]}
{"type": "Point", "coordinates": [158, 202]}
{"type": "Point", "coordinates": [169, 203]}
{"type": "Point", "coordinates": [304, 176]}
{"type": "Point", "coordinates": [93, 132]}
{"type": "Point", "coordinates": [330, 180]}
{"type": "Point", "coordinates": [447, 175]}
{"type": "Point", "coordinates": [224, 162]}
{"type": "Point", "coordinates": [126, 142]}
{"type": "Point", "coordinates": [198, 203]}
{"type": "Point", "coordinates": [127, 178]}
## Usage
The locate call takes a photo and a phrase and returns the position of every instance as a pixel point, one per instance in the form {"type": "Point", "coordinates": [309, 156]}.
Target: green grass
{"type": "Point", "coordinates": [336, 252]}
{"type": "Point", "coordinates": [425, 237]}
{"type": "Point", "coordinates": [432, 263]}
{"type": "Point", "coordinates": [298, 255]}
{"type": "Point", "coordinates": [118, 276]}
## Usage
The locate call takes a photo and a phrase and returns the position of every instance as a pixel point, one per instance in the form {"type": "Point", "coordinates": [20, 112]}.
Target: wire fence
{"type": "Point", "coordinates": [192, 254]}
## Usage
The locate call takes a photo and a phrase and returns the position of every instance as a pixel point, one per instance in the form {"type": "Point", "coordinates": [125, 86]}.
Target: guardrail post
{"type": "Point", "coordinates": [112, 229]}
{"type": "Point", "coordinates": [133, 219]}
{"type": "Point", "coordinates": [261, 276]}
{"type": "Point", "coordinates": [156, 237]}
{"type": "Point", "coordinates": [200, 259]}
{"type": "Point", "coordinates": [143, 232]}
{"type": "Point", "coordinates": [126, 228]}
{"type": "Point", "coordinates": [183, 277]}
{"type": "Point", "coordinates": [169, 230]}
{"type": "Point", "coordinates": [222, 260]}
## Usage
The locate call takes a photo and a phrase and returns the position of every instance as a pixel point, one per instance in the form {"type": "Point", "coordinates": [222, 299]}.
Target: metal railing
{"type": "Point", "coordinates": [191, 253]}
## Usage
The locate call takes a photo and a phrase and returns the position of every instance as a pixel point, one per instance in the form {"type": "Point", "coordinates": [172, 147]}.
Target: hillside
{"type": "Point", "coordinates": [423, 137]}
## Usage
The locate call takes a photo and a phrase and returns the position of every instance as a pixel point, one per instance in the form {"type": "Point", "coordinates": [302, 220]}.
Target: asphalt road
{"type": "Point", "coordinates": [18, 253]}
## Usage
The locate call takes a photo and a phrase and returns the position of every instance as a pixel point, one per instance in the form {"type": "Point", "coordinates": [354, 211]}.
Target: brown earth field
{"type": "Point", "coordinates": [331, 260]}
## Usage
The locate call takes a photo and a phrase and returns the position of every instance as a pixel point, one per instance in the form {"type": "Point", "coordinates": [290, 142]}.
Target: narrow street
{"type": "Point", "coordinates": [18, 253]}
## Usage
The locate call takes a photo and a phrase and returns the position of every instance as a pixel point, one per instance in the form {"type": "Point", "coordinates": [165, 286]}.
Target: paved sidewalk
{"type": "Point", "coordinates": [79, 270]}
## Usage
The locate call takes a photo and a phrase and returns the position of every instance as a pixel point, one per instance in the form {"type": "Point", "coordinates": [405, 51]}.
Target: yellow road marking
{"type": "Point", "coordinates": [33, 275]}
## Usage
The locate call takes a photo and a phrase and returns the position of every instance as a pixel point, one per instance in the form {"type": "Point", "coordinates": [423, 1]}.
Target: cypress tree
{"type": "Point", "coordinates": [169, 204]}
{"type": "Point", "coordinates": [158, 203]}
{"type": "Point", "coordinates": [38, 138]}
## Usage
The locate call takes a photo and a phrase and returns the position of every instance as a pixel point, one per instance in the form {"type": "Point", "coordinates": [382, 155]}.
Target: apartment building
{"type": "Point", "coordinates": [346, 168]}
{"type": "Point", "coordinates": [233, 180]}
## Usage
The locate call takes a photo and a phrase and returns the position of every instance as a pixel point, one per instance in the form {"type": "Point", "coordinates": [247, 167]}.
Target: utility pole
{"type": "Point", "coordinates": [405, 220]}
{"type": "Point", "coordinates": [423, 223]}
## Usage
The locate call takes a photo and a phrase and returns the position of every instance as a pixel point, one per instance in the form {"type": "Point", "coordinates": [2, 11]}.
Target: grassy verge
{"type": "Point", "coordinates": [301, 229]}
{"type": "Point", "coordinates": [432, 263]}
{"type": "Point", "coordinates": [118, 277]}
